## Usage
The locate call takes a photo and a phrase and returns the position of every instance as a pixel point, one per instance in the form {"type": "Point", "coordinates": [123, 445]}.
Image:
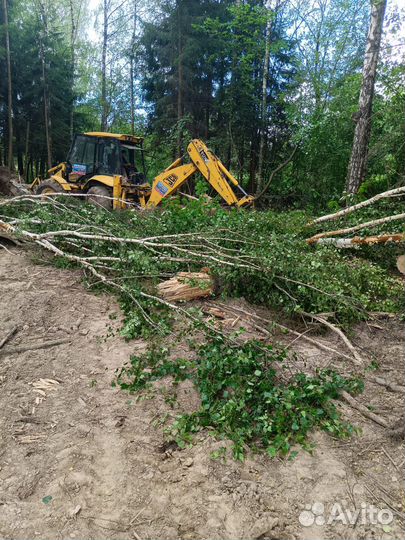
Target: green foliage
{"type": "Point", "coordinates": [245, 397]}
{"type": "Point", "coordinates": [383, 257]}
{"type": "Point", "coordinates": [271, 264]}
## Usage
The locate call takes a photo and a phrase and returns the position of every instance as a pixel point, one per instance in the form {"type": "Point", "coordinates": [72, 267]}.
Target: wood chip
{"type": "Point", "coordinates": [75, 510]}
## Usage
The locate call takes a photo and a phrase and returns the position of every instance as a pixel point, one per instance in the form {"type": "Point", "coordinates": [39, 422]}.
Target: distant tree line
{"type": "Point", "coordinates": [254, 79]}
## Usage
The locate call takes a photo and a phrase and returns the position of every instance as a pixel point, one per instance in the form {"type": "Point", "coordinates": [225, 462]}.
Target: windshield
{"type": "Point", "coordinates": [108, 157]}
{"type": "Point", "coordinates": [82, 155]}
{"type": "Point", "coordinates": [128, 156]}
{"type": "Point", "coordinates": [132, 159]}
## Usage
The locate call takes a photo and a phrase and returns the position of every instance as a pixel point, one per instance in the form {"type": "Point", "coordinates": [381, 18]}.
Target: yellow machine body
{"type": "Point", "coordinates": [123, 192]}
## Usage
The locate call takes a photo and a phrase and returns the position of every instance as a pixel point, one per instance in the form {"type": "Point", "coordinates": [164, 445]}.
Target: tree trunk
{"type": "Point", "coordinates": [26, 152]}
{"type": "Point", "coordinates": [132, 69]}
{"type": "Point", "coordinates": [47, 104]}
{"type": "Point", "coordinates": [104, 104]}
{"type": "Point", "coordinates": [358, 161]}
{"type": "Point", "coordinates": [47, 112]}
{"type": "Point", "coordinates": [131, 82]}
{"type": "Point", "coordinates": [18, 149]}
{"type": "Point", "coordinates": [73, 62]}
{"type": "Point", "coordinates": [263, 119]}
{"type": "Point", "coordinates": [9, 90]}
{"type": "Point", "coordinates": [180, 80]}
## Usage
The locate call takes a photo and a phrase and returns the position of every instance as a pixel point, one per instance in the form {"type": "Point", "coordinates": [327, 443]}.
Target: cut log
{"type": "Point", "coordinates": [359, 241]}
{"type": "Point", "coordinates": [186, 286]}
{"type": "Point", "coordinates": [401, 264]}
{"type": "Point", "coordinates": [368, 224]}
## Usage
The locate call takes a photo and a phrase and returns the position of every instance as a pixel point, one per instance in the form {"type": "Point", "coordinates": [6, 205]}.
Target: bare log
{"type": "Point", "coordinates": [350, 209]}
{"type": "Point", "coordinates": [359, 241]}
{"type": "Point", "coordinates": [186, 286]}
{"type": "Point", "coordinates": [368, 224]}
{"type": "Point", "coordinates": [393, 387]}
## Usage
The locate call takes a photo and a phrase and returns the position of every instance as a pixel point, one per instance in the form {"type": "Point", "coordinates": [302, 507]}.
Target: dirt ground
{"type": "Point", "coordinates": [82, 459]}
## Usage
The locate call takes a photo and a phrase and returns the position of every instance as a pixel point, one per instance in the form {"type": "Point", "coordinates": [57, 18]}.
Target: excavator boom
{"type": "Point", "coordinates": [205, 162]}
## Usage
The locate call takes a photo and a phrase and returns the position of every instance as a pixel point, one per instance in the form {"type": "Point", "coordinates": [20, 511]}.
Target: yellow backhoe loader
{"type": "Point", "coordinates": [110, 169]}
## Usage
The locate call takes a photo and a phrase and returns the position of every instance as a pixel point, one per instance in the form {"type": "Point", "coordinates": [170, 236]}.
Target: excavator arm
{"type": "Point", "coordinates": [205, 162]}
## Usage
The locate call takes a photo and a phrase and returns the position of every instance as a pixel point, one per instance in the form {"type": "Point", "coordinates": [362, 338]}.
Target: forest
{"type": "Point", "coordinates": [213, 349]}
{"type": "Point", "coordinates": [255, 80]}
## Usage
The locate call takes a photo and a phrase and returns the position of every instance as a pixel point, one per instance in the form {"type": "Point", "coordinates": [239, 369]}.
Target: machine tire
{"type": "Point", "coordinates": [49, 187]}
{"type": "Point", "coordinates": [97, 196]}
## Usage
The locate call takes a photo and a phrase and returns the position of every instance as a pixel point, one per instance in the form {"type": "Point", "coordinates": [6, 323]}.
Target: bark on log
{"type": "Point", "coordinates": [358, 241]}
{"type": "Point", "coordinates": [368, 224]}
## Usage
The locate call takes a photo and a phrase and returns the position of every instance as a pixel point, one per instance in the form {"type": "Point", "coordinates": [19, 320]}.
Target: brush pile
{"type": "Point", "coordinates": [262, 256]}
{"type": "Point", "coordinates": [151, 260]}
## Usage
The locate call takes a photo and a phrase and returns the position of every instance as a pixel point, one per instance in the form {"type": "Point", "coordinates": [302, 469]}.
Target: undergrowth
{"type": "Point", "coordinates": [245, 397]}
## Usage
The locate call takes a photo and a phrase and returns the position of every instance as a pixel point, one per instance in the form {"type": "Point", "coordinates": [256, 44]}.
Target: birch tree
{"type": "Point", "coordinates": [74, 12]}
{"type": "Point", "coordinates": [264, 99]}
{"type": "Point", "coordinates": [132, 63]}
{"type": "Point", "coordinates": [358, 160]}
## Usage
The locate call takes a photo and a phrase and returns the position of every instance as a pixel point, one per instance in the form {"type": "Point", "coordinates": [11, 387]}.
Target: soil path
{"type": "Point", "coordinates": [82, 459]}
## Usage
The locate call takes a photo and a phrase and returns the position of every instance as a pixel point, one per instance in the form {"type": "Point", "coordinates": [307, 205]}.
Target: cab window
{"type": "Point", "coordinates": [108, 158]}
{"type": "Point", "coordinates": [82, 155]}
{"type": "Point", "coordinates": [89, 155]}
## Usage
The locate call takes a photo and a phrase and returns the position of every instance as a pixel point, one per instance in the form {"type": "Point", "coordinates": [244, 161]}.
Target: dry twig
{"type": "Point", "coordinates": [358, 360]}
{"type": "Point", "coordinates": [363, 410]}
{"type": "Point", "coordinates": [8, 336]}
{"type": "Point", "coordinates": [287, 330]}
{"type": "Point", "coordinates": [33, 347]}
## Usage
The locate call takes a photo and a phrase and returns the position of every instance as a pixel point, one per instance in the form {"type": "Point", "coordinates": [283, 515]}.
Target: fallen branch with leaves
{"type": "Point", "coordinates": [348, 210]}
{"type": "Point", "coordinates": [131, 252]}
{"type": "Point", "coordinates": [150, 261]}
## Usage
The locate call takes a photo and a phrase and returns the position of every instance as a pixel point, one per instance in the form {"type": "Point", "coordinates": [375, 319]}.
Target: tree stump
{"type": "Point", "coordinates": [186, 286]}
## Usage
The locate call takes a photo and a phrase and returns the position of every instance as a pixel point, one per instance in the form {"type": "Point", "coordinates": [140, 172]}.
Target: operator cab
{"type": "Point", "coordinates": [107, 154]}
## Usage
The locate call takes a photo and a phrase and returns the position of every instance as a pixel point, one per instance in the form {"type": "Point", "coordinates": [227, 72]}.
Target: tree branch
{"type": "Point", "coordinates": [273, 173]}
{"type": "Point", "coordinates": [350, 209]}
{"type": "Point", "coordinates": [339, 232]}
